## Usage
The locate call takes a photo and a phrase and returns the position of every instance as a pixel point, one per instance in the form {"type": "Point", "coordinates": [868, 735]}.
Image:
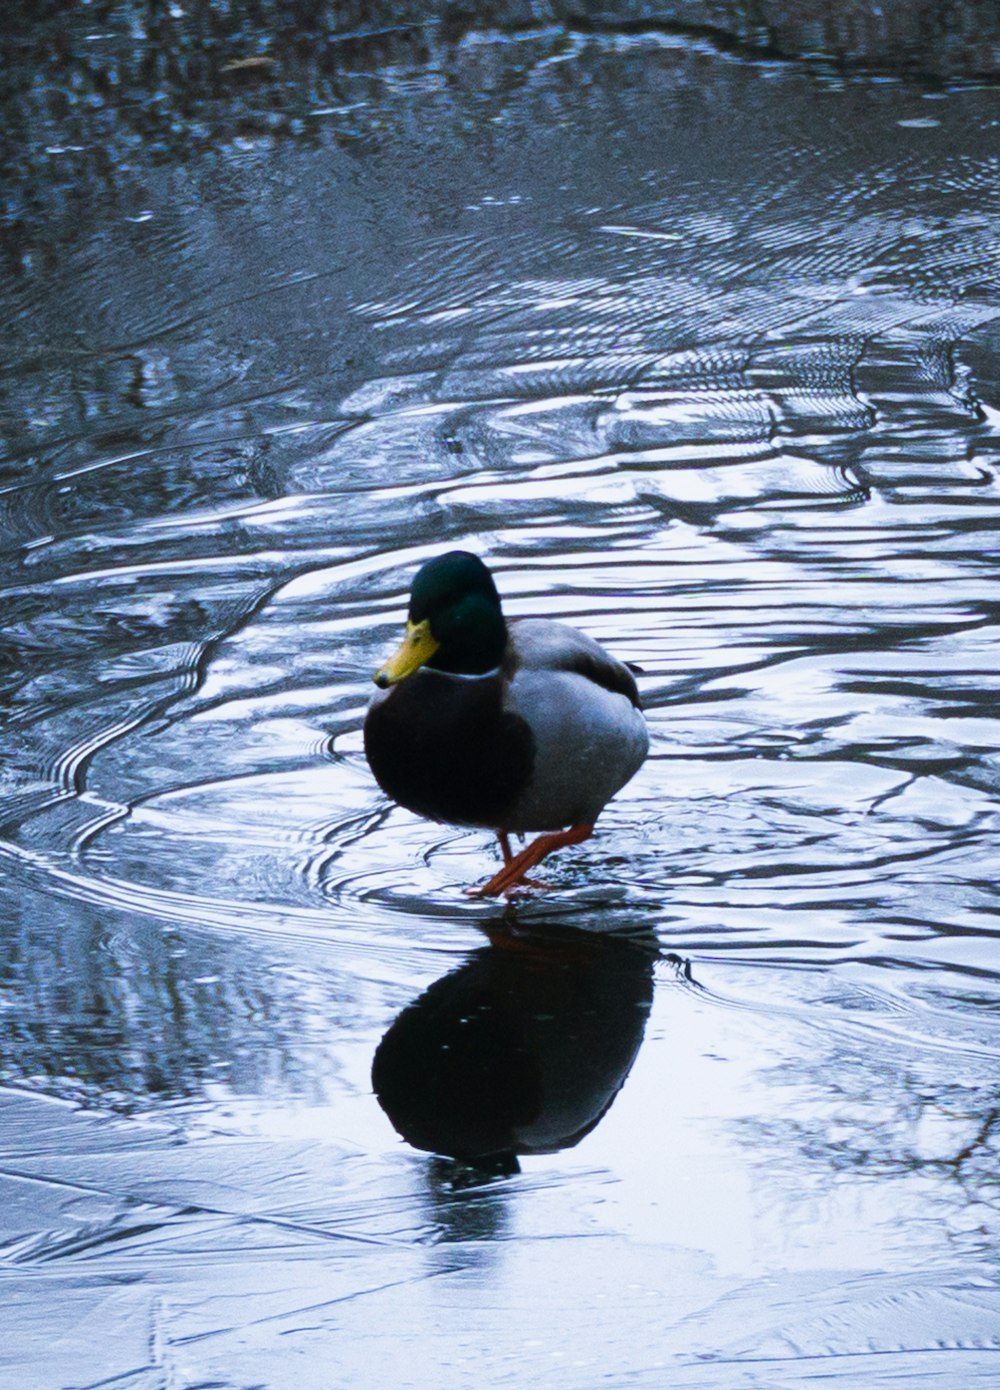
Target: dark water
{"type": "Point", "coordinates": [703, 356]}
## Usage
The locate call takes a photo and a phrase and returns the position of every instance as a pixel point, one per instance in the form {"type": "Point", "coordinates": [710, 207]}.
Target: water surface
{"type": "Point", "coordinates": [702, 355]}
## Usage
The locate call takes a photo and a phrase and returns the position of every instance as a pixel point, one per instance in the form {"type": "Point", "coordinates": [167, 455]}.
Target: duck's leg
{"type": "Point", "coordinates": [503, 839]}
{"type": "Point", "coordinates": [514, 869]}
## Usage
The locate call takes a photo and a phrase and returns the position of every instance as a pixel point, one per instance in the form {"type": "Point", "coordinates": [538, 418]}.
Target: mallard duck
{"type": "Point", "coordinates": [513, 727]}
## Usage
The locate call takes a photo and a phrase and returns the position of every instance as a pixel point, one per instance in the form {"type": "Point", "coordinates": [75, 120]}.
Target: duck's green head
{"type": "Point", "coordinates": [454, 623]}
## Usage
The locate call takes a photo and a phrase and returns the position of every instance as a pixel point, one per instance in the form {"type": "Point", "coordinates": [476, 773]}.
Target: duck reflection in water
{"type": "Point", "coordinates": [521, 1050]}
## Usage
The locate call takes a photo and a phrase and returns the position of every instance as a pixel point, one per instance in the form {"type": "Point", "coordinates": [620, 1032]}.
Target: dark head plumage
{"type": "Point", "coordinates": [454, 594]}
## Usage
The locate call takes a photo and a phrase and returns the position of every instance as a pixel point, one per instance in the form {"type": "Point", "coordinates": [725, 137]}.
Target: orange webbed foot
{"type": "Point", "coordinates": [516, 867]}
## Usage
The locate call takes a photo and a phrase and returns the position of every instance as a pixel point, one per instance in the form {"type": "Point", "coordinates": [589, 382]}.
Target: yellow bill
{"type": "Point", "coordinates": [416, 647]}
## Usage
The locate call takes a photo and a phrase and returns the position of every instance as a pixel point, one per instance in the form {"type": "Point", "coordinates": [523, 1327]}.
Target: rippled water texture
{"type": "Point", "coordinates": [703, 356]}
